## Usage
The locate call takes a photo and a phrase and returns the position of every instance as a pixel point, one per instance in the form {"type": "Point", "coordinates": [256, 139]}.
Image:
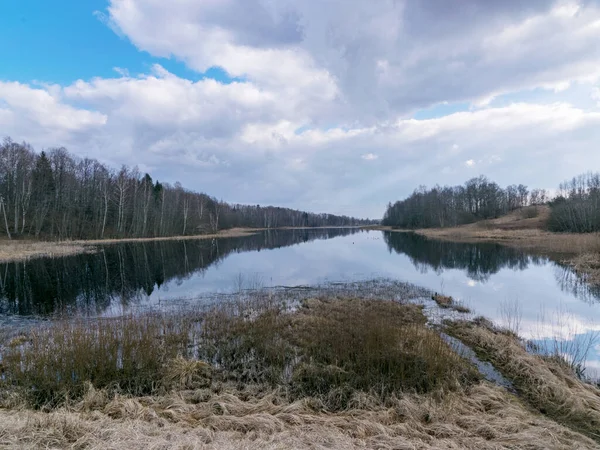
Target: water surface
{"type": "Point", "coordinates": [498, 282]}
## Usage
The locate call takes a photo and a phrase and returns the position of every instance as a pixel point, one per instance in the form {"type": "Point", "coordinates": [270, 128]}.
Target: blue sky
{"type": "Point", "coordinates": [305, 103]}
{"type": "Point", "coordinates": [61, 42]}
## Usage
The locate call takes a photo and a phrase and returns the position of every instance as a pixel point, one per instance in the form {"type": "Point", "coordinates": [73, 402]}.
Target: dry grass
{"type": "Point", "coordinates": [233, 232]}
{"type": "Point", "coordinates": [21, 250]}
{"type": "Point", "coordinates": [482, 418]}
{"type": "Point", "coordinates": [443, 301]}
{"type": "Point", "coordinates": [587, 265]}
{"type": "Point", "coordinates": [330, 373]}
{"type": "Point", "coordinates": [24, 250]}
{"type": "Point", "coordinates": [53, 364]}
{"type": "Point", "coordinates": [447, 302]}
{"type": "Point", "coordinates": [326, 349]}
{"type": "Point", "coordinates": [548, 384]}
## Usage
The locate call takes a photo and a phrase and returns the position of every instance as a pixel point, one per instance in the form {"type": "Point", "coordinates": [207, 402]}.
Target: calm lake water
{"type": "Point", "coordinates": [488, 278]}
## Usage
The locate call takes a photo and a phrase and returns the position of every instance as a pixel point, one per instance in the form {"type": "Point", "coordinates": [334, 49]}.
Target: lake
{"type": "Point", "coordinates": [500, 283]}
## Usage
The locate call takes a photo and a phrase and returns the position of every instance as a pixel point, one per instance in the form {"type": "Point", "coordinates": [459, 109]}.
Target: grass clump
{"type": "Point", "coordinates": [443, 301]}
{"type": "Point", "coordinates": [330, 348]}
{"type": "Point", "coordinates": [376, 346]}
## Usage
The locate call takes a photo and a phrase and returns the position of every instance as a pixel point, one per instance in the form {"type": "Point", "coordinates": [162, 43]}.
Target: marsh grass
{"type": "Point", "coordinates": [324, 348]}
{"type": "Point", "coordinates": [130, 354]}
{"type": "Point", "coordinates": [547, 382]}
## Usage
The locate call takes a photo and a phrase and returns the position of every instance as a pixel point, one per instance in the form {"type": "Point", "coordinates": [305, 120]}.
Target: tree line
{"type": "Point", "coordinates": [57, 195]}
{"type": "Point", "coordinates": [447, 206]}
{"type": "Point", "coordinates": [576, 208]}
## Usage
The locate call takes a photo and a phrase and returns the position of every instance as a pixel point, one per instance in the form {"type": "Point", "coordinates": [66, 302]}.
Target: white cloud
{"type": "Point", "coordinates": [470, 163]}
{"type": "Point", "coordinates": [44, 107]}
{"type": "Point", "coordinates": [374, 60]}
{"type": "Point", "coordinates": [369, 156]}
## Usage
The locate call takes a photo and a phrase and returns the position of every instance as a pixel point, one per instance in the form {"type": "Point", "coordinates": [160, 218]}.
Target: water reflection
{"type": "Point", "coordinates": [481, 261]}
{"type": "Point", "coordinates": [126, 272]}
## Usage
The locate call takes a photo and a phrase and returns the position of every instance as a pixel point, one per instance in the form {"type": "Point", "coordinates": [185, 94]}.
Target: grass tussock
{"type": "Point", "coordinates": [447, 302]}
{"type": "Point", "coordinates": [547, 383]}
{"type": "Point", "coordinates": [443, 301]}
{"type": "Point", "coordinates": [330, 348]}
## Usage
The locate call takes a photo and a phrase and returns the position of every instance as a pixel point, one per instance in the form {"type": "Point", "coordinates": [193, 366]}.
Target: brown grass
{"type": "Point", "coordinates": [447, 302]}
{"type": "Point", "coordinates": [21, 250]}
{"type": "Point", "coordinates": [548, 384]}
{"type": "Point", "coordinates": [54, 363]}
{"type": "Point", "coordinates": [329, 373]}
{"type": "Point", "coordinates": [443, 301]}
{"type": "Point", "coordinates": [326, 349]}
{"type": "Point", "coordinates": [483, 418]}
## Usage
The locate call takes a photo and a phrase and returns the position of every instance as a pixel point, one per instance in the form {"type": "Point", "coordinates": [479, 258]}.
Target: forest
{"type": "Point", "coordinates": [448, 206]}
{"type": "Point", "coordinates": [56, 195]}
{"type": "Point", "coordinates": [574, 208]}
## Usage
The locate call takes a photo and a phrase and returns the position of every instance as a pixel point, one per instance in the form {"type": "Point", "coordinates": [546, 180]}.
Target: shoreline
{"type": "Point", "coordinates": [16, 251]}
{"type": "Point", "coordinates": [580, 251]}
{"type": "Point", "coordinates": [22, 250]}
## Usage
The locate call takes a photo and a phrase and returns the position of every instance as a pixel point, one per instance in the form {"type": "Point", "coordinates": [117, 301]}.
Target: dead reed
{"type": "Point", "coordinates": [323, 372]}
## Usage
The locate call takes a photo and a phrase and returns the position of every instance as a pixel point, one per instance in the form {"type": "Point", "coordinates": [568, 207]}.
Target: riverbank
{"type": "Point", "coordinates": [266, 371]}
{"type": "Point", "coordinates": [21, 250]}
{"type": "Point", "coordinates": [577, 250]}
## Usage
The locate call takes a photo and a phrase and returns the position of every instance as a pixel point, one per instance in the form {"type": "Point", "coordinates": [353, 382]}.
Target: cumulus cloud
{"type": "Point", "coordinates": [380, 58]}
{"type": "Point", "coordinates": [323, 89]}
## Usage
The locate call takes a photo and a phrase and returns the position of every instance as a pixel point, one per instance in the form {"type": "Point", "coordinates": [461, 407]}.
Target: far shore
{"type": "Point", "coordinates": [581, 251]}
{"type": "Point", "coordinates": [22, 250]}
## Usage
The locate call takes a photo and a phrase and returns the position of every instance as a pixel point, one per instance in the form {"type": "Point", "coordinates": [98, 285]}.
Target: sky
{"type": "Point", "coordinates": [335, 106]}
